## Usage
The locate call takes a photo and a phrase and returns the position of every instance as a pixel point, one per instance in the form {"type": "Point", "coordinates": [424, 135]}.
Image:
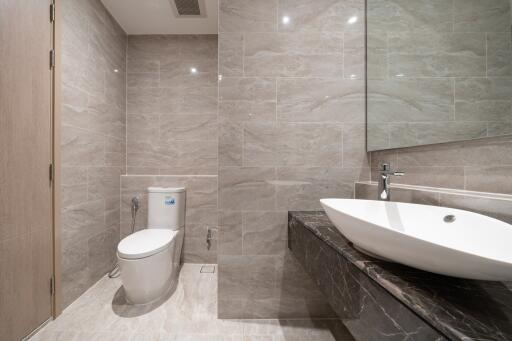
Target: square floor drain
{"type": "Point", "coordinates": [207, 269]}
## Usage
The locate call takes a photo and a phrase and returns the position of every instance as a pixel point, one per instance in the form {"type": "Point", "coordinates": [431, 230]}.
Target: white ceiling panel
{"type": "Point", "coordinates": [159, 17]}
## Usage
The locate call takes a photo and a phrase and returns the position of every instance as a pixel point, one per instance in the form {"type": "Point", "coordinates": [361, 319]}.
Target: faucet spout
{"type": "Point", "coordinates": [384, 190]}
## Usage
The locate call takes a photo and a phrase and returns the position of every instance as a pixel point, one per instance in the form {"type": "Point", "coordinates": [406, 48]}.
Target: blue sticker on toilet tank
{"type": "Point", "coordinates": [170, 201]}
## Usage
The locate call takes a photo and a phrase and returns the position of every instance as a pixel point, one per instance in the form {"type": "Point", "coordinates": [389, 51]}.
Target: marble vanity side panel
{"type": "Point", "coordinates": [93, 143]}
{"type": "Point", "coordinates": [291, 131]}
{"type": "Point", "coordinates": [367, 310]}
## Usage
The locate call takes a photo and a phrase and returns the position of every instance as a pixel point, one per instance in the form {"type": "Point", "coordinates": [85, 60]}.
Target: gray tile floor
{"type": "Point", "coordinates": [189, 314]}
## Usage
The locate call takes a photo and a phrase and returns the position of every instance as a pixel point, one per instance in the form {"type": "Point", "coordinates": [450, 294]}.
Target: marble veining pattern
{"type": "Point", "coordinates": [438, 71]}
{"type": "Point", "coordinates": [172, 131]}
{"type": "Point", "coordinates": [93, 142]}
{"type": "Point", "coordinates": [291, 130]}
{"type": "Point", "coordinates": [459, 309]}
{"type": "Point", "coordinates": [189, 314]}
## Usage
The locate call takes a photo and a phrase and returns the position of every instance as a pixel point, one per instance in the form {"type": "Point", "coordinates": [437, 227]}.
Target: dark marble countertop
{"type": "Point", "coordinates": [460, 309]}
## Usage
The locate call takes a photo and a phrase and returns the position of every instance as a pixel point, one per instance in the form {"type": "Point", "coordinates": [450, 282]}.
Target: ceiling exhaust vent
{"type": "Point", "coordinates": [188, 8]}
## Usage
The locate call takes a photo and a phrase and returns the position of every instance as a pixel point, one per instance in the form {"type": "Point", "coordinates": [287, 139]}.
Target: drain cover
{"type": "Point", "coordinates": [207, 269]}
{"type": "Point", "coordinates": [450, 218]}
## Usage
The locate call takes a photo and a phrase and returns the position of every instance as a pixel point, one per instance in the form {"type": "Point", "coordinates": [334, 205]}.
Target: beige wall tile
{"type": "Point", "coordinates": [231, 47]}
{"type": "Point", "coordinates": [483, 99]}
{"type": "Point", "coordinates": [302, 188]}
{"type": "Point", "coordinates": [320, 100]}
{"type": "Point", "coordinates": [82, 148]}
{"type": "Point", "coordinates": [321, 15]}
{"type": "Point", "coordinates": [245, 277]}
{"type": "Point", "coordinates": [247, 15]}
{"type": "Point", "coordinates": [499, 54]}
{"type": "Point", "coordinates": [476, 16]}
{"type": "Point", "coordinates": [81, 222]}
{"type": "Point", "coordinates": [410, 100]}
{"type": "Point", "coordinates": [143, 79]}
{"type": "Point", "coordinates": [188, 127]}
{"type": "Point", "coordinates": [93, 144]}
{"type": "Point", "coordinates": [493, 179]}
{"type": "Point", "coordinates": [267, 65]}
{"type": "Point", "coordinates": [230, 233]}
{"type": "Point", "coordinates": [103, 182]}
{"type": "Point", "coordinates": [247, 111]}
{"type": "Point", "coordinates": [493, 205]}
{"type": "Point", "coordinates": [248, 89]}
{"type": "Point", "coordinates": [246, 188]}
{"type": "Point", "coordinates": [283, 102]}
{"type": "Point", "coordinates": [172, 124]}
{"type": "Point", "coordinates": [443, 177]}
{"type": "Point", "coordinates": [354, 151]}
{"type": "Point", "coordinates": [416, 196]}
{"type": "Point", "coordinates": [403, 15]}
{"type": "Point", "coordinates": [264, 233]}
{"type": "Point", "coordinates": [287, 144]}
{"type": "Point", "coordinates": [437, 55]}
{"type": "Point", "coordinates": [498, 208]}
{"type": "Point", "coordinates": [413, 134]}
{"type": "Point", "coordinates": [231, 137]}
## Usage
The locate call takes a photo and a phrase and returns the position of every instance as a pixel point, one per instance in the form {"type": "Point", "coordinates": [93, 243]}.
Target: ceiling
{"type": "Point", "coordinates": [158, 17]}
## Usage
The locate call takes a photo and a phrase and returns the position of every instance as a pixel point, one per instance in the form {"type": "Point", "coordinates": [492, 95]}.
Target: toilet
{"type": "Point", "coordinates": [149, 259]}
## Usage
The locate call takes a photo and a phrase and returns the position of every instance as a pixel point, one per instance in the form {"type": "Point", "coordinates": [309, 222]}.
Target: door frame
{"type": "Point", "coordinates": [56, 160]}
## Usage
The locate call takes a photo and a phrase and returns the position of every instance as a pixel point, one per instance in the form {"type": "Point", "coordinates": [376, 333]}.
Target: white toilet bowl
{"type": "Point", "coordinates": [149, 261]}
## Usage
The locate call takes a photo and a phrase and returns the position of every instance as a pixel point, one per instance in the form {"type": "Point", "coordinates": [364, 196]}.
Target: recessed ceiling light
{"type": "Point", "coordinates": [193, 70]}
{"type": "Point", "coordinates": [286, 19]}
{"type": "Point", "coordinates": [352, 20]}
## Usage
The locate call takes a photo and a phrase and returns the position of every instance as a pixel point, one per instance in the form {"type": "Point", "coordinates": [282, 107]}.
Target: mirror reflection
{"type": "Point", "coordinates": [437, 71]}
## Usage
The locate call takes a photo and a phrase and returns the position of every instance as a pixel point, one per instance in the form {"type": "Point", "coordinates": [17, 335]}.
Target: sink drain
{"type": "Point", "coordinates": [450, 218]}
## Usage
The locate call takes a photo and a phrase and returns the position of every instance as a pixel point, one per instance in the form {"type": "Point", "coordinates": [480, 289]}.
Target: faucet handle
{"type": "Point", "coordinates": [386, 169]}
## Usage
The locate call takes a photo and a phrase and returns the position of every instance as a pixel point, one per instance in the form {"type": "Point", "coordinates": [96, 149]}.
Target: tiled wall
{"type": "Point", "coordinates": [201, 210]}
{"type": "Point", "coordinates": [93, 142]}
{"type": "Point", "coordinates": [172, 110]}
{"type": "Point", "coordinates": [439, 71]}
{"type": "Point", "coordinates": [481, 165]}
{"type": "Point", "coordinates": [291, 131]}
{"type": "Point", "coordinates": [493, 205]}
{"type": "Point", "coordinates": [172, 130]}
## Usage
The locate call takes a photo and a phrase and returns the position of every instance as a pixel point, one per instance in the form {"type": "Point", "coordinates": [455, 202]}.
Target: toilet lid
{"type": "Point", "coordinates": [145, 243]}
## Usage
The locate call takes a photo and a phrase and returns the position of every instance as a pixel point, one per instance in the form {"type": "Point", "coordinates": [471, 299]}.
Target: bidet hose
{"type": "Point", "coordinates": [134, 208]}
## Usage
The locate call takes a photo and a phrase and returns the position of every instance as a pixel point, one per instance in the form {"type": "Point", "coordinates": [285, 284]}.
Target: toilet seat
{"type": "Point", "coordinates": [145, 243]}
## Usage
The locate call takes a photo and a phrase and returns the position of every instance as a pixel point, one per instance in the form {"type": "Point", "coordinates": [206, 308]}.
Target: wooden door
{"type": "Point", "coordinates": [26, 249]}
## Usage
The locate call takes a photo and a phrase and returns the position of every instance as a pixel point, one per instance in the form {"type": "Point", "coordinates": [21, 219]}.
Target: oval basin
{"type": "Point", "coordinates": [442, 240]}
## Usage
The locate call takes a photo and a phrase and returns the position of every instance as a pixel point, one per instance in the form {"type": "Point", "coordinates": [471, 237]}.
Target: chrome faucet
{"type": "Point", "coordinates": [385, 173]}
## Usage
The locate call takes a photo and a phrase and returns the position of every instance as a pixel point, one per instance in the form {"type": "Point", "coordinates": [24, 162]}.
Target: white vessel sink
{"type": "Point", "coordinates": [470, 246]}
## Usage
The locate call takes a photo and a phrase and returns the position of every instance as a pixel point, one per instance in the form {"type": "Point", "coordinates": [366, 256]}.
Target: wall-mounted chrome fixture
{"type": "Point", "coordinates": [134, 208]}
{"type": "Point", "coordinates": [209, 236]}
{"type": "Point", "coordinates": [384, 192]}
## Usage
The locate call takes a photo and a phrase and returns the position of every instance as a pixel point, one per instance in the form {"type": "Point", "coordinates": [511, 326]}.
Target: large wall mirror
{"type": "Point", "coordinates": [437, 71]}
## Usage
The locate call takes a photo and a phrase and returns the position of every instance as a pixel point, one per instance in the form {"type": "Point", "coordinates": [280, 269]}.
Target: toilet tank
{"type": "Point", "coordinates": [166, 207]}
